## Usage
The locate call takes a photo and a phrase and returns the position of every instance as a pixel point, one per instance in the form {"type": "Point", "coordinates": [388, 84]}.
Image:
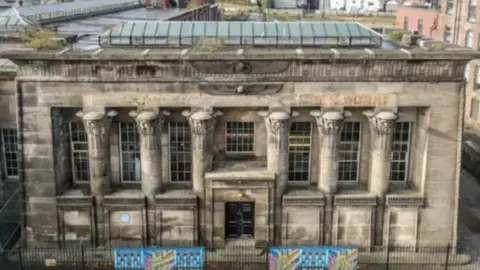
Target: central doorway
{"type": "Point", "coordinates": [239, 219]}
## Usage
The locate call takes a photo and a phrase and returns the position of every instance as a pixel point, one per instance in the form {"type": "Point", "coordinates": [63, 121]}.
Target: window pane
{"type": "Point", "coordinates": [400, 151]}
{"type": "Point", "coordinates": [349, 152]}
{"type": "Point", "coordinates": [299, 146]}
{"type": "Point", "coordinates": [130, 152]}
{"type": "Point", "coordinates": [240, 137]}
{"type": "Point", "coordinates": [79, 149]}
{"type": "Point", "coordinates": [180, 152]}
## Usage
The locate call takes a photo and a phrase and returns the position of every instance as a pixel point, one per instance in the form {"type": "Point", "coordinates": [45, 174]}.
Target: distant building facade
{"type": "Point", "coordinates": [456, 22]}
{"type": "Point", "coordinates": [199, 144]}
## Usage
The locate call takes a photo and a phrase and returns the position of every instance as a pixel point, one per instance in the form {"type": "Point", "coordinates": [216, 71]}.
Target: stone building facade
{"type": "Point", "coordinates": [292, 147]}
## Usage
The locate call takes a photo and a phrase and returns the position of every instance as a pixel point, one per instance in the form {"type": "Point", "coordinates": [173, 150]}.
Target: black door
{"type": "Point", "coordinates": [239, 217]}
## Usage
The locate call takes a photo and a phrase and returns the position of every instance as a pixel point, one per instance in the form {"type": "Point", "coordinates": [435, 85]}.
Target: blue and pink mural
{"type": "Point", "coordinates": [158, 258]}
{"type": "Point", "coordinates": [297, 258]}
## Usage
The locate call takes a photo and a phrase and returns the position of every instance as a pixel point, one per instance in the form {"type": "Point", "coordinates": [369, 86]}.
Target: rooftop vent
{"type": "Point", "coordinates": [410, 39]}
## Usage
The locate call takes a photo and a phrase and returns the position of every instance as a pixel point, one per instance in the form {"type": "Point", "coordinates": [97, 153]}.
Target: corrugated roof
{"type": "Point", "coordinates": [242, 33]}
{"type": "Point", "coordinates": [41, 14]}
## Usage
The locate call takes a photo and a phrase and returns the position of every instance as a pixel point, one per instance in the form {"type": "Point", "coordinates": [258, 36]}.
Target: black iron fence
{"type": "Point", "coordinates": [238, 257]}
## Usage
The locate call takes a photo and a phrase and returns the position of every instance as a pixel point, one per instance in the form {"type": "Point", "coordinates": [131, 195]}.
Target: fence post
{"type": "Point", "coordinates": [20, 258]}
{"type": "Point", "coordinates": [447, 257]}
{"type": "Point", "coordinates": [387, 264]}
{"type": "Point", "coordinates": [83, 256]}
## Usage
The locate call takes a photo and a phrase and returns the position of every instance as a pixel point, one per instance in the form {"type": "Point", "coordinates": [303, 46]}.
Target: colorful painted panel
{"type": "Point", "coordinates": [159, 258]}
{"type": "Point", "coordinates": [298, 258]}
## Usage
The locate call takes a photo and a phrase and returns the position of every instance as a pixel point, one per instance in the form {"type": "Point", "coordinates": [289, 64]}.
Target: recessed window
{"type": "Point", "coordinates": [472, 11]}
{"type": "Point", "coordinates": [240, 137]}
{"type": "Point", "coordinates": [349, 152]}
{"type": "Point", "coordinates": [405, 23]}
{"type": "Point", "coordinates": [420, 26]}
{"type": "Point", "coordinates": [130, 152]}
{"type": "Point", "coordinates": [447, 34]}
{"type": "Point", "coordinates": [79, 151]}
{"type": "Point", "coordinates": [469, 39]}
{"type": "Point", "coordinates": [180, 152]}
{"type": "Point", "coordinates": [299, 147]}
{"type": "Point", "coordinates": [10, 152]}
{"type": "Point", "coordinates": [449, 9]}
{"type": "Point", "coordinates": [474, 109]}
{"type": "Point", "coordinates": [477, 77]}
{"type": "Point", "coordinates": [400, 151]}
{"type": "Point", "coordinates": [466, 73]}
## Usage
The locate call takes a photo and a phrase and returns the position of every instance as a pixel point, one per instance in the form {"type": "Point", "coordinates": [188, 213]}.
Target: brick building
{"type": "Point", "coordinates": [457, 22]}
{"type": "Point", "coordinates": [198, 133]}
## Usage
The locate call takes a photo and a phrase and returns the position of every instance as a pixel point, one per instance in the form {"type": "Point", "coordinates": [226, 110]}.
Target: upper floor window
{"type": "Point", "coordinates": [79, 152]}
{"type": "Point", "coordinates": [469, 39]}
{"type": "Point", "coordinates": [474, 109]}
{"type": "Point", "coordinates": [130, 152]}
{"type": "Point", "coordinates": [180, 152]}
{"type": "Point", "coordinates": [420, 26]}
{"type": "Point", "coordinates": [405, 23]}
{"type": "Point", "coordinates": [349, 151]}
{"type": "Point", "coordinates": [400, 151]}
{"type": "Point", "coordinates": [477, 77]}
{"type": "Point", "coordinates": [447, 34]}
{"type": "Point", "coordinates": [472, 10]}
{"type": "Point", "coordinates": [299, 147]}
{"type": "Point", "coordinates": [449, 9]}
{"type": "Point", "coordinates": [10, 152]}
{"type": "Point", "coordinates": [240, 137]}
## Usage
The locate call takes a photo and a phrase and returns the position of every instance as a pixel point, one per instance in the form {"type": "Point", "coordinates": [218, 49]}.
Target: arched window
{"type": "Point", "coordinates": [469, 39]}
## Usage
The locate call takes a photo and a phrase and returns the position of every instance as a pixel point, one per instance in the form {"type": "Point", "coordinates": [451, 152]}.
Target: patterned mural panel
{"type": "Point", "coordinates": [327, 258]}
{"type": "Point", "coordinates": [158, 258]}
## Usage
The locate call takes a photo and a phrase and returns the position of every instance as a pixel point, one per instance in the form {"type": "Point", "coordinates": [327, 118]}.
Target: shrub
{"type": "Point", "coordinates": [43, 39]}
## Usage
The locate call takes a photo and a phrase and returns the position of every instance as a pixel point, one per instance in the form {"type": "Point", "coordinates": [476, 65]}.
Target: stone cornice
{"type": "Point", "coordinates": [182, 70]}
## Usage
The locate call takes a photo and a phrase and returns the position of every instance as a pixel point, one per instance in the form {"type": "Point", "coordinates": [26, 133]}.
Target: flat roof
{"type": "Point", "coordinates": [96, 25]}
{"type": "Point", "coordinates": [186, 33]}
{"type": "Point", "coordinates": [42, 14]}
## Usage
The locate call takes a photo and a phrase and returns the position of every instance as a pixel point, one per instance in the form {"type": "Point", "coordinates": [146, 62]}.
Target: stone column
{"type": "Point", "coordinates": [330, 125]}
{"type": "Point", "coordinates": [278, 125]}
{"type": "Point", "coordinates": [202, 127]}
{"type": "Point", "coordinates": [382, 124]}
{"type": "Point", "coordinates": [97, 126]}
{"type": "Point", "coordinates": [149, 125]}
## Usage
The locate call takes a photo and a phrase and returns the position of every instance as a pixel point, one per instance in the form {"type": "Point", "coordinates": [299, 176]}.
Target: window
{"type": "Point", "coordinates": [130, 152]}
{"type": "Point", "coordinates": [469, 39]}
{"type": "Point", "coordinates": [180, 152]}
{"type": "Point", "coordinates": [400, 151]}
{"type": "Point", "coordinates": [449, 9]}
{"type": "Point", "coordinates": [420, 26]}
{"type": "Point", "coordinates": [299, 145]}
{"type": "Point", "coordinates": [474, 109]}
{"type": "Point", "coordinates": [447, 33]}
{"type": "Point", "coordinates": [466, 73]}
{"type": "Point", "coordinates": [477, 77]}
{"type": "Point", "coordinates": [472, 10]}
{"type": "Point", "coordinates": [240, 137]}
{"type": "Point", "coordinates": [79, 151]}
{"type": "Point", "coordinates": [349, 151]}
{"type": "Point", "coordinates": [405, 23]}
{"type": "Point", "coordinates": [10, 152]}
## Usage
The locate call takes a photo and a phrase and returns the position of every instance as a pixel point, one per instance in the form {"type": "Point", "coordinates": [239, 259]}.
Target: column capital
{"type": "Point", "coordinates": [201, 122]}
{"type": "Point", "coordinates": [330, 122]}
{"type": "Point", "coordinates": [277, 121]}
{"type": "Point", "coordinates": [149, 122]}
{"type": "Point", "coordinates": [381, 122]}
{"type": "Point", "coordinates": [95, 122]}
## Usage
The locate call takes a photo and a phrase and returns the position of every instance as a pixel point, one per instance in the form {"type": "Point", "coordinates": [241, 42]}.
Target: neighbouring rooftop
{"type": "Point", "coordinates": [305, 34]}
{"type": "Point", "coordinates": [44, 14]}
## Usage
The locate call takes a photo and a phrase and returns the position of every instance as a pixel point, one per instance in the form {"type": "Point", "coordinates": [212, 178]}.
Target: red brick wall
{"type": "Point", "coordinates": [430, 18]}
